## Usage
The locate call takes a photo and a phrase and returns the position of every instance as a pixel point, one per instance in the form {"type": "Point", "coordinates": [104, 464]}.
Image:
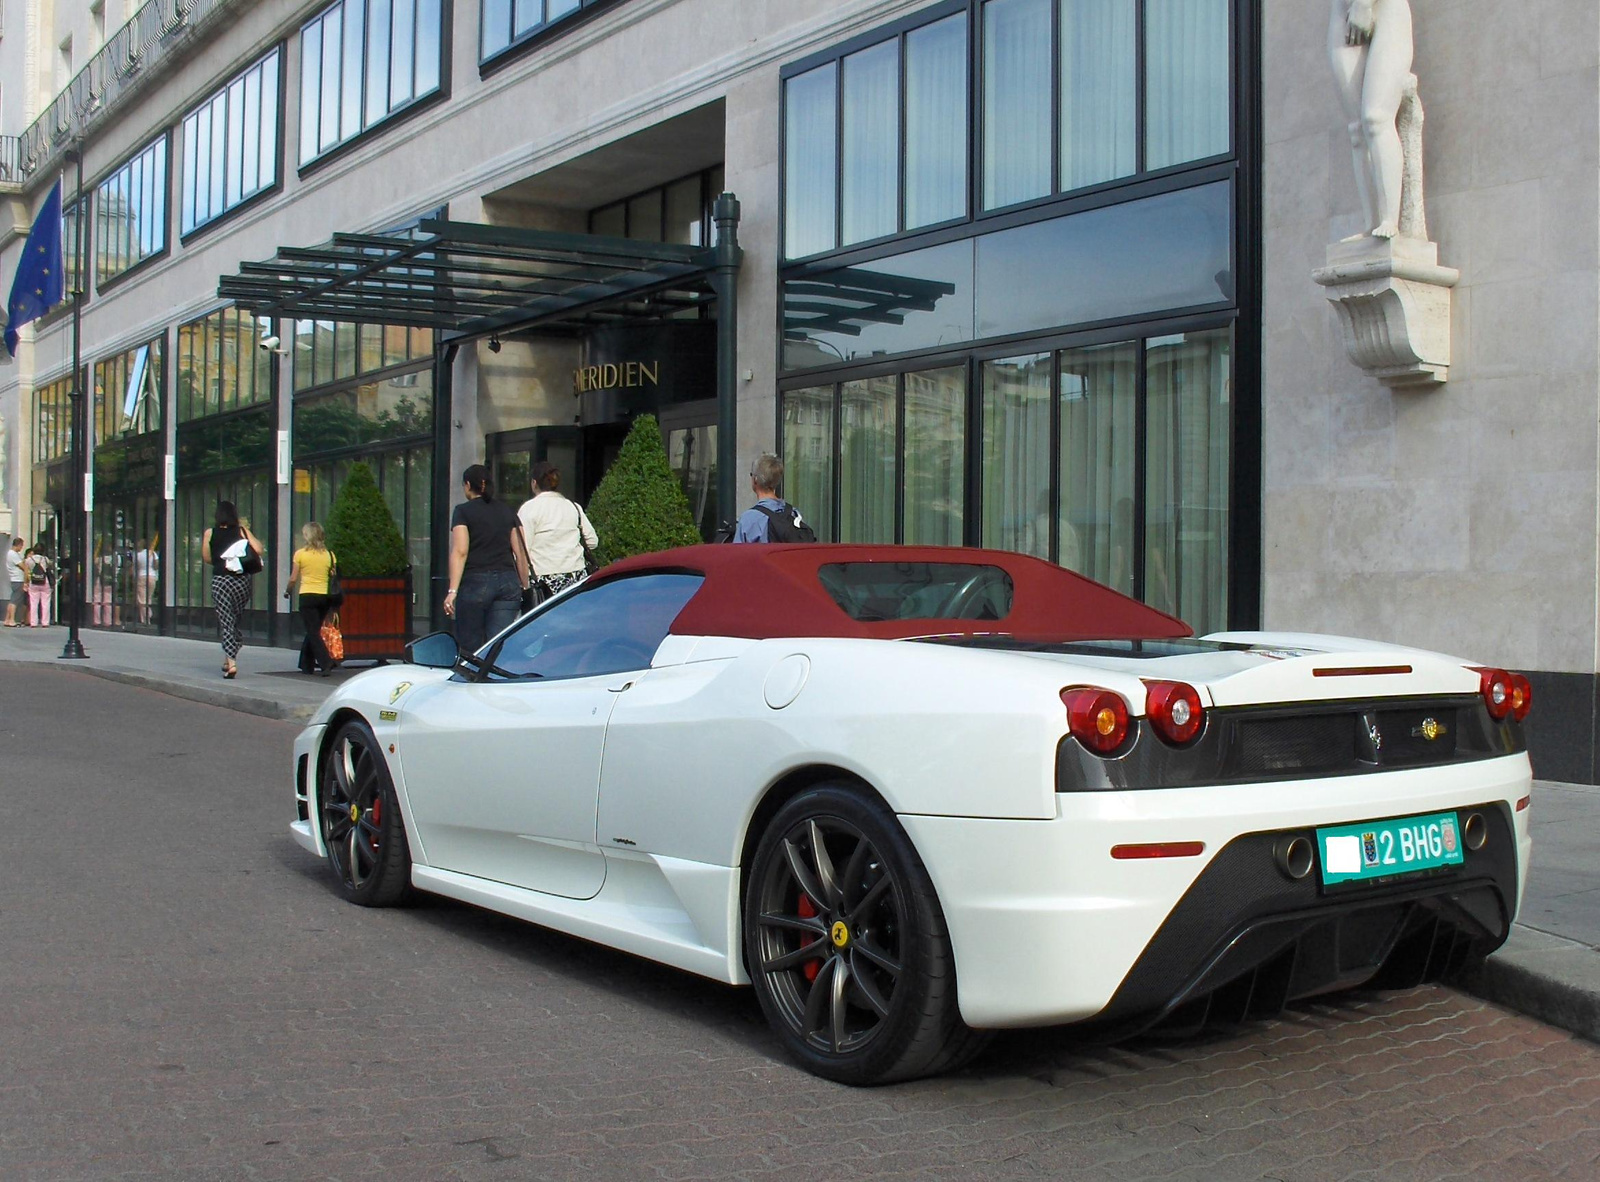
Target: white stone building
{"type": "Point", "coordinates": [1026, 273]}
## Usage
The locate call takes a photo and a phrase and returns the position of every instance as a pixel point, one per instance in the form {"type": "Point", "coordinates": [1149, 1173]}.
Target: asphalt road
{"type": "Point", "coordinates": [182, 996]}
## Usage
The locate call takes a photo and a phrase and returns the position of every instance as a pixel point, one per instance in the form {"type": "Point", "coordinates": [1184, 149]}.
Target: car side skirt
{"type": "Point", "coordinates": [683, 914]}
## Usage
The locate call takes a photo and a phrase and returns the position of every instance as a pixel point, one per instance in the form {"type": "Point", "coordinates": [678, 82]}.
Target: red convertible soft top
{"type": "Point", "coordinates": [765, 591]}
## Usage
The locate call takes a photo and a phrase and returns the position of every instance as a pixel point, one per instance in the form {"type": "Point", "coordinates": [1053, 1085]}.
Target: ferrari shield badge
{"type": "Point", "coordinates": [394, 694]}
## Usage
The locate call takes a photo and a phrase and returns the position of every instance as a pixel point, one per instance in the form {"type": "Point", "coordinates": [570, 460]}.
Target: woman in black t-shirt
{"type": "Point", "coordinates": [488, 564]}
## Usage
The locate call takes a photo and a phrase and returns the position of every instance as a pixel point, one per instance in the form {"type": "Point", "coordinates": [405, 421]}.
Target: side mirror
{"type": "Point", "coordinates": [437, 650]}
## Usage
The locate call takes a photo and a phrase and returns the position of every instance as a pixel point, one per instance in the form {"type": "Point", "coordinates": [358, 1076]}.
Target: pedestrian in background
{"type": "Point", "coordinates": [146, 570]}
{"type": "Point", "coordinates": [488, 563]}
{"type": "Point", "coordinates": [556, 532]}
{"type": "Point", "coordinates": [771, 518]}
{"type": "Point", "coordinates": [16, 582]}
{"type": "Point", "coordinates": [234, 554]}
{"type": "Point", "coordinates": [313, 565]}
{"type": "Point", "coordinates": [41, 575]}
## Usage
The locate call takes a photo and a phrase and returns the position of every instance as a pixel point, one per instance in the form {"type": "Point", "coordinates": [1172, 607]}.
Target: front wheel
{"type": "Point", "coordinates": [361, 825]}
{"type": "Point", "coordinates": [847, 945]}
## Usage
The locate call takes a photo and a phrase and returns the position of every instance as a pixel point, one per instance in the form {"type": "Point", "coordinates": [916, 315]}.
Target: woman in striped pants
{"type": "Point", "coordinates": [234, 554]}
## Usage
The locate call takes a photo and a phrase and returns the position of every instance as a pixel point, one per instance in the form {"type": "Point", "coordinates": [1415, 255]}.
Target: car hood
{"type": "Point", "coordinates": [378, 689]}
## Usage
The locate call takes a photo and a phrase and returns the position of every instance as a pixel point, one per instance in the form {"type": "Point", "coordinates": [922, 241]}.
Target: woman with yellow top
{"type": "Point", "coordinates": [312, 564]}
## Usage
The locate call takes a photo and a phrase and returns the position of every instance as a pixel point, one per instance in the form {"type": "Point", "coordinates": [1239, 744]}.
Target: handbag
{"type": "Point", "coordinates": [332, 638]}
{"type": "Point", "coordinates": [335, 584]}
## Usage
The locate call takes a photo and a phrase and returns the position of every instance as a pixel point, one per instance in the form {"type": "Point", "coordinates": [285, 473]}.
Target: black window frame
{"type": "Point", "coordinates": [1242, 316]}
{"type": "Point", "coordinates": [261, 193]}
{"type": "Point", "coordinates": [164, 140]}
{"type": "Point", "coordinates": [394, 116]}
{"type": "Point", "coordinates": [1241, 16]}
{"type": "Point", "coordinates": [543, 33]}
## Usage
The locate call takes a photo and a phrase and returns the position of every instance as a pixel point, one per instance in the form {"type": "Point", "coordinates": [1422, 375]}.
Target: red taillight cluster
{"type": "Point", "coordinates": [1504, 693]}
{"type": "Point", "coordinates": [1174, 710]}
{"type": "Point", "coordinates": [1097, 718]}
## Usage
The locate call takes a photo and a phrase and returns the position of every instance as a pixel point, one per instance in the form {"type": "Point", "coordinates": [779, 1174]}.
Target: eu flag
{"type": "Point", "coordinates": [40, 282]}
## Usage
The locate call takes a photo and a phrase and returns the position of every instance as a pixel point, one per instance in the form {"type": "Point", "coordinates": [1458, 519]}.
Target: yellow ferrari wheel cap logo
{"type": "Point", "coordinates": [355, 813]}
{"type": "Point", "coordinates": [840, 933]}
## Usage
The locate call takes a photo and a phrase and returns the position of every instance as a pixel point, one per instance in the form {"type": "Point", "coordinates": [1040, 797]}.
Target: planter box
{"type": "Point", "coordinates": [376, 617]}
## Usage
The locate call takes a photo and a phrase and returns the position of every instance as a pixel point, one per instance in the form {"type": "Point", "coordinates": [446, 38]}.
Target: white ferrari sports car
{"type": "Point", "coordinates": [915, 794]}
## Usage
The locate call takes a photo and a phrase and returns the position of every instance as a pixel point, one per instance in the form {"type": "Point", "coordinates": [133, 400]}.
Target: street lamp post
{"type": "Point", "coordinates": [77, 532]}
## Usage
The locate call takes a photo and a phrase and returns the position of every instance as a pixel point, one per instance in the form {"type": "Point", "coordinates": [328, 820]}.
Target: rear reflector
{"type": "Point", "coordinates": [1159, 849]}
{"type": "Point", "coordinates": [1524, 803]}
{"type": "Point", "coordinates": [1361, 671]}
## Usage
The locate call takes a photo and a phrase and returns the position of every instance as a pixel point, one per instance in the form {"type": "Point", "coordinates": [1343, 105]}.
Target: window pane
{"type": "Point", "coordinates": [1186, 80]}
{"type": "Point", "coordinates": [332, 61]}
{"type": "Point", "coordinates": [186, 193]}
{"type": "Point", "coordinates": [529, 15]}
{"type": "Point", "coordinates": [203, 208]}
{"type": "Point", "coordinates": [402, 46]}
{"type": "Point", "coordinates": [496, 27]}
{"type": "Point", "coordinates": [371, 347]}
{"type": "Point", "coordinates": [685, 212]}
{"type": "Point", "coordinates": [808, 456]}
{"type": "Point", "coordinates": [887, 306]}
{"type": "Point", "coordinates": [394, 344]}
{"type": "Point", "coordinates": [350, 89]}
{"type": "Point", "coordinates": [1016, 101]}
{"type": "Point", "coordinates": [427, 47]}
{"type": "Point", "coordinates": [269, 122]}
{"type": "Point", "coordinates": [1016, 454]}
{"type": "Point", "coordinates": [323, 371]}
{"type": "Point", "coordinates": [1170, 251]}
{"type": "Point", "coordinates": [303, 338]}
{"type": "Point", "coordinates": [250, 150]}
{"type": "Point", "coordinates": [1188, 468]}
{"type": "Point", "coordinates": [644, 216]}
{"type": "Point", "coordinates": [1099, 110]}
{"type": "Point", "coordinates": [935, 450]}
{"type": "Point", "coordinates": [560, 8]}
{"type": "Point", "coordinates": [871, 142]}
{"type": "Point", "coordinates": [810, 142]}
{"type": "Point", "coordinates": [310, 89]}
{"type": "Point", "coordinates": [1099, 399]}
{"type": "Point", "coordinates": [936, 122]}
{"type": "Point", "coordinates": [217, 165]}
{"type": "Point", "coordinates": [869, 453]}
{"type": "Point", "coordinates": [378, 60]}
{"type": "Point", "coordinates": [610, 628]}
{"type": "Point", "coordinates": [234, 188]}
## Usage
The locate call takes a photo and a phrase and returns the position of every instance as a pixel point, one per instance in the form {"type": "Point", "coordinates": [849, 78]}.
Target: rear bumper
{"type": "Point", "coordinates": [1048, 928]}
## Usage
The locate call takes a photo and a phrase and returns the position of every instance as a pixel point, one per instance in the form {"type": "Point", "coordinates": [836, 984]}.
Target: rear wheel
{"type": "Point", "coordinates": [360, 816]}
{"type": "Point", "coordinates": [847, 945]}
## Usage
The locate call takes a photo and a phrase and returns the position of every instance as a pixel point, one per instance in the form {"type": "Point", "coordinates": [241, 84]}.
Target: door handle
{"type": "Point", "coordinates": [621, 689]}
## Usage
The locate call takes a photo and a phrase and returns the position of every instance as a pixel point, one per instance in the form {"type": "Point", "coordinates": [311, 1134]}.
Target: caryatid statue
{"type": "Point", "coordinates": [1370, 45]}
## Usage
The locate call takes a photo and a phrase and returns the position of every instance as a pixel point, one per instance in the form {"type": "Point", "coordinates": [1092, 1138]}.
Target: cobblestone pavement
{"type": "Point", "coordinates": [182, 996]}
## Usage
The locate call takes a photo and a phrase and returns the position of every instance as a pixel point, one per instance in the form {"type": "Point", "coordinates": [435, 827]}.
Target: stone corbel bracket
{"type": "Point", "coordinates": [1393, 299]}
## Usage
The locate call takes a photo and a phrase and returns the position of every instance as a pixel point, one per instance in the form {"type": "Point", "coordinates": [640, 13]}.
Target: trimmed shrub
{"type": "Point", "coordinates": [361, 531]}
{"type": "Point", "coordinates": [640, 507]}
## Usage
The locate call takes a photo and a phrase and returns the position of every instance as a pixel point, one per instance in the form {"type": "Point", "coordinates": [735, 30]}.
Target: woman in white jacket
{"type": "Point", "coordinates": [556, 531]}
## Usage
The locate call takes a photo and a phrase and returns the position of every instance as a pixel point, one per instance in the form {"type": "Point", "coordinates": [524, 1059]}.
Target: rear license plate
{"type": "Point", "coordinates": [1384, 849]}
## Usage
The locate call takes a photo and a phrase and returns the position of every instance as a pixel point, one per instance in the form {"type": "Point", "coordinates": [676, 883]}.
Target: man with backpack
{"type": "Point", "coordinates": [771, 518]}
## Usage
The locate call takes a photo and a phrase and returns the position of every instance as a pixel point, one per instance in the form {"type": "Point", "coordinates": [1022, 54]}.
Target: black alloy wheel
{"type": "Point", "coordinates": [361, 825]}
{"type": "Point", "coordinates": [847, 945]}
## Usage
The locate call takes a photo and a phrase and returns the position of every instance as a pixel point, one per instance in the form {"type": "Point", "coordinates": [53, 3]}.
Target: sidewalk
{"type": "Point", "coordinates": [268, 684]}
{"type": "Point", "coordinates": [1549, 968]}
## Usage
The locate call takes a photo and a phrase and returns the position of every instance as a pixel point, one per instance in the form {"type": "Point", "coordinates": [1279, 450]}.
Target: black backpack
{"type": "Point", "coordinates": [786, 525]}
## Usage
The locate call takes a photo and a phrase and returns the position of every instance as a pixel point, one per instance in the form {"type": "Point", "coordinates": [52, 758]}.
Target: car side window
{"type": "Point", "coordinates": [611, 627]}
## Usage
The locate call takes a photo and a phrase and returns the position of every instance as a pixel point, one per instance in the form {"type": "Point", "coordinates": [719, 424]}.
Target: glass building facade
{"type": "Point", "coordinates": [231, 144]}
{"type": "Point", "coordinates": [1011, 289]}
{"type": "Point", "coordinates": [128, 523]}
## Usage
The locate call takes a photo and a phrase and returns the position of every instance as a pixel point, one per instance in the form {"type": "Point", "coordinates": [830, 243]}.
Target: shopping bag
{"type": "Point", "coordinates": [333, 638]}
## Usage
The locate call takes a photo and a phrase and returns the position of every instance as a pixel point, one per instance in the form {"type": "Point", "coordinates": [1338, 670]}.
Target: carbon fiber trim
{"type": "Point", "coordinates": [1245, 940]}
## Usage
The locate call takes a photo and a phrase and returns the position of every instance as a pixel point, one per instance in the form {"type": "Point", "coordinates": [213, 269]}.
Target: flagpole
{"type": "Point", "coordinates": [78, 520]}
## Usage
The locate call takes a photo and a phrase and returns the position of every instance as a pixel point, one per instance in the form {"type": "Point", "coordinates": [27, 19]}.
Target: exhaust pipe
{"type": "Point", "coordinates": [1293, 856]}
{"type": "Point", "coordinates": [1474, 831]}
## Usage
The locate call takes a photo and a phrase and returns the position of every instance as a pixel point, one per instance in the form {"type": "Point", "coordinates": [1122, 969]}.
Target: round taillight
{"type": "Point", "coordinates": [1521, 696]}
{"type": "Point", "coordinates": [1174, 709]}
{"type": "Point", "coordinates": [1495, 686]}
{"type": "Point", "coordinates": [1097, 718]}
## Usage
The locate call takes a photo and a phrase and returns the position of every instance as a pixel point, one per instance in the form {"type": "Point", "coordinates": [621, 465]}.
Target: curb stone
{"type": "Point", "coordinates": [1547, 977]}
{"type": "Point", "coordinates": [242, 703]}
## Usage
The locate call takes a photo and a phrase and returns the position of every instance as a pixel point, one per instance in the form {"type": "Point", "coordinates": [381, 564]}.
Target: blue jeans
{"type": "Point", "coordinates": [486, 604]}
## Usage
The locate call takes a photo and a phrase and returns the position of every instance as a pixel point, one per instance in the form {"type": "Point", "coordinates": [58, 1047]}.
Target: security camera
{"type": "Point", "coordinates": [272, 345]}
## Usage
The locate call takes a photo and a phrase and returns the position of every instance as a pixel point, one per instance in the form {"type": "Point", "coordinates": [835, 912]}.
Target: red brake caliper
{"type": "Point", "coordinates": [806, 911]}
{"type": "Point", "coordinates": [377, 817]}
